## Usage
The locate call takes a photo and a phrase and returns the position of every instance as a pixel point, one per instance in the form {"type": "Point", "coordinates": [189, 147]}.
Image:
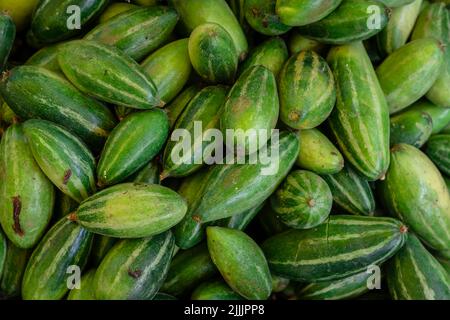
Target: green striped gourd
{"type": "Point", "coordinates": [215, 290]}
{"type": "Point", "coordinates": [360, 120]}
{"type": "Point", "coordinates": [412, 127]}
{"type": "Point", "coordinates": [409, 72]}
{"type": "Point", "coordinates": [26, 195]}
{"type": "Point", "coordinates": [134, 269]}
{"type": "Point", "coordinates": [114, 9]}
{"type": "Point", "coordinates": [415, 191]}
{"type": "Point", "coordinates": [169, 68]}
{"type": "Point", "coordinates": [303, 200]}
{"type": "Point", "coordinates": [440, 116]}
{"type": "Point", "coordinates": [65, 244]}
{"type": "Point", "coordinates": [176, 107]}
{"type": "Point", "coordinates": [434, 21]}
{"type": "Point", "coordinates": [414, 274]}
{"type": "Point", "coordinates": [3, 250]}
{"type": "Point", "coordinates": [298, 42]}
{"type": "Point", "coordinates": [34, 92]}
{"type": "Point", "coordinates": [7, 36]}
{"type": "Point", "coordinates": [133, 143]}
{"type": "Point", "coordinates": [196, 12]}
{"type": "Point", "coordinates": [345, 288]}
{"type": "Point", "coordinates": [131, 210]}
{"type": "Point", "coordinates": [307, 91]}
{"type": "Point", "coordinates": [107, 74]}
{"type": "Point", "coordinates": [86, 290]}
{"type": "Point", "coordinates": [318, 154]}
{"type": "Point", "coordinates": [188, 269]}
{"type": "Point", "coordinates": [14, 267]}
{"type": "Point", "coordinates": [399, 27]}
{"type": "Point", "coordinates": [213, 54]}
{"type": "Point", "coordinates": [252, 108]}
{"type": "Point", "coordinates": [100, 247]}
{"type": "Point", "coordinates": [51, 19]}
{"type": "Point", "coordinates": [204, 109]}
{"type": "Point", "coordinates": [351, 192]}
{"type": "Point", "coordinates": [261, 16]}
{"type": "Point", "coordinates": [271, 54]}
{"type": "Point", "coordinates": [46, 57]}
{"type": "Point", "coordinates": [351, 21]}
{"type": "Point", "coordinates": [438, 150]}
{"type": "Point", "coordinates": [233, 188]}
{"type": "Point", "coordinates": [136, 32]}
{"type": "Point", "coordinates": [341, 247]}
{"type": "Point", "coordinates": [300, 13]}
{"type": "Point", "coordinates": [63, 157]}
{"type": "Point", "coordinates": [238, 259]}
{"type": "Point", "coordinates": [190, 231]}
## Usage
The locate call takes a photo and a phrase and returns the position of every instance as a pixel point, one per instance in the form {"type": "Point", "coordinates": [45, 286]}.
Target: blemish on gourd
{"type": "Point", "coordinates": [17, 207]}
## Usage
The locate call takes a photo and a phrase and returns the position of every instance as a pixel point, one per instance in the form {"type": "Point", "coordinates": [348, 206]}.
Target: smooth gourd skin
{"type": "Point", "coordinates": [252, 104]}
{"type": "Point", "coordinates": [215, 290]}
{"type": "Point", "coordinates": [413, 127]}
{"type": "Point", "coordinates": [409, 72]}
{"type": "Point", "coordinates": [434, 22]}
{"type": "Point", "coordinates": [351, 192]}
{"type": "Point", "coordinates": [51, 19]}
{"type": "Point", "coordinates": [303, 200]}
{"type": "Point", "coordinates": [26, 195]}
{"type": "Point", "coordinates": [261, 16]}
{"type": "Point", "coordinates": [63, 157]}
{"type": "Point", "coordinates": [169, 67]}
{"type": "Point", "coordinates": [33, 92]}
{"type": "Point", "coordinates": [438, 150]}
{"type": "Point", "coordinates": [414, 274]}
{"type": "Point", "coordinates": [131, 210]}
{"type": "Point", "coordinates": [15, 262]}
{"type": "Point", "coordinates": [233, 188]}
{"type": "Point", "coordinates": [107, 74]}
{"type": "Point", "coordinates": [7, 36]}
{"type": "Point", "coordinates": [399, 28]}
{"type": "Point", "coordinates": [114, 9]}
{"type": "Point", "coordinates": [300, 12]}
{"type": "Point", "coordinates": [135, 141]}
{"type": "Point", "coordinates": [345, 288]}
{"type": "Point", "coordinates": [348, 23]}
{"type": "Point", "coordinates": [213, 54]}
{"type": "Point", "coordinates": [188, 269]}
{"type": "Point", "coordinates": [206, 109]}
{"type": "Point", "coordinates": [343, 246]}
{"type": "Point", "coordinates": [307, 91]}
{"type": "Point", "coordinates": [196, 12]}
{"type": "Point", "coordinates": [360, 120]}
{"type": "Point", "coordinates": [238, 259]}
{"type": "Point", "coordinates": [137, 32]}
{"type": "Point", "coordinates": [271, 54]}
{"type": "Point", "coordinates": [317, 153]}
{"type": "Point", "coordinates": [64, 245]}
{"type": "Point", "coordinates": [134, 269]}
{"type": "Point", "coordinates": [439, 116]}
{"type": "Point", "coordinates": [415, 192]}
